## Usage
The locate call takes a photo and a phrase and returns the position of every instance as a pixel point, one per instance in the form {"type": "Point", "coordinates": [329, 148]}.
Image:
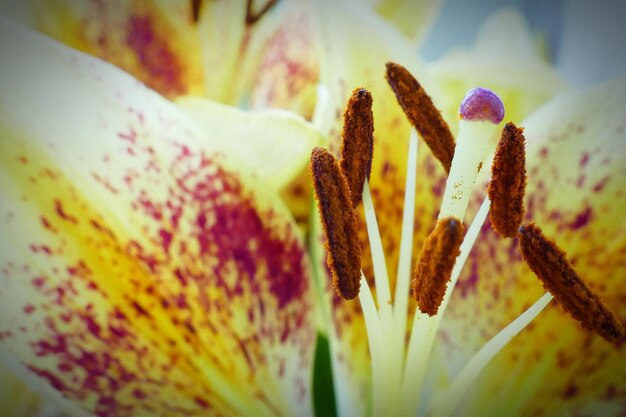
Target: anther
{"type": "Point", "coordinates": [253, 17]}
{"type": "Point", "coordinates": [551, 266]}
{"type": "Point", "coordinates": [195, 10]}
{"type": "Point", "coordinates": [508, 182]}
{"type": "Point", "coordinates": [357, 147]}
{"type": "Point", "coordinates": [437, 259]}
{"type": "Point", "coordinates": [338, 221]}
{"type": "Point", "coordinates": [422, 113]}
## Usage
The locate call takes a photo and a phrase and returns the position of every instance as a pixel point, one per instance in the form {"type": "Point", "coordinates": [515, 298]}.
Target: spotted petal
{"type": "Point", "coordinates": [269, 61]}
{"type": "Point", "coordinates": [151, 40]}
{"type": "Point", "coordinates": [142, 272]}
{"type": "Point", "coordinates": [575, 163]}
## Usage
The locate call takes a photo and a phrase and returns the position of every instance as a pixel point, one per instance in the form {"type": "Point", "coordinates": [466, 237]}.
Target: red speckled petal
{"type": "Point", "coordinates": [140, 274]}
{"type": "Point", "coordinates": [576, 176]}
{"type": "Point", "coordinates": [156, 42]}
{"type": "Point", "coordinates": [271, 63]}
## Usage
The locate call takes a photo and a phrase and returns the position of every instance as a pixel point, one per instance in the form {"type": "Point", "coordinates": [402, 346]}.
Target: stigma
{"type": "Point", "coordinates": [482, 104]}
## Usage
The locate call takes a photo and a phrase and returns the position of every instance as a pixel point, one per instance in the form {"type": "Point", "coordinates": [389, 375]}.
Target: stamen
{"type": "Point", "coordinates": [357, 147]}
{"type": "Point", "coordinates": [435, 264]}
{"type": "Point", "coordinates": [551, 266]}
{"type": "Point", "coordinates": [508, 182]}
{"type": "Point", "coordinates": [252, 17]}
{"type": "Point", "coordinates": [471, 149]}
{"type": "Point", "coordinates": [195, 10]}
{"type": "Point", "coordinates": [338, 221]}
{"type": "Point", "coordinates": [422, 113]}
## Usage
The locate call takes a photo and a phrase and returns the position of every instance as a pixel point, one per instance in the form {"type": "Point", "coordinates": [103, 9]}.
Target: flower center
{"type": "Point", "coordinates": [398, 368]}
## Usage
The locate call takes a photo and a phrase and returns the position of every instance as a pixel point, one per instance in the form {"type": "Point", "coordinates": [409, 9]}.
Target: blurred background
{"type": "Point", "coordinates": [586, 39]}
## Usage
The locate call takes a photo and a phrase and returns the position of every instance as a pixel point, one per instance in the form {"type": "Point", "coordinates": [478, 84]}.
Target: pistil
{"type": "Point", "coordinates": [480, 112]}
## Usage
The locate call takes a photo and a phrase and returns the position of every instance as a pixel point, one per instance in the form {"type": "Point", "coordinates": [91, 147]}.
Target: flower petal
{"type": "Point", "coordinates": [503, 59]}
{"type": "Point", "coordinates": [16, 400]}
{"type": "Point", "coordinates": [274, 144]}
{"type": "Point", "coordinates": [157, 42]}
{"type": "Point", "coordinates": [575, 163]}
{"type": "Point", "coordinates": [143, 273]}
{"type": "Point", "coordinates": [412, 17]}
{"type": "Point", "coordinates": [268, 63]}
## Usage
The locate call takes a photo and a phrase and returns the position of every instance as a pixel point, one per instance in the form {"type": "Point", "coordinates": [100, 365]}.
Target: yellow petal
{"type": "Point", "coordinates": [143, 274]}
{"type": "Point", "coordinates": [16, 400]}
{"type": "Point", "coordinates": [504, 58]}
{"type": "Point", "coordinates": [575, 192]}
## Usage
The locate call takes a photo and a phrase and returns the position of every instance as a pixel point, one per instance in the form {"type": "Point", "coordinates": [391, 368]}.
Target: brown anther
{"type": "Point", "coordinates": [252, 17]}
{"type": "Point", "coordinates": [422, 113]}
{"type": "Point", "coordinates": [338, 221]}
{"type": "Point", "coordinates": [357, 147]}
{"type": "Point", "coordinates": [551, 266]}
{"type": "Point", "coordinates": [437, 259]}
{"type": "Point", "coordinates": [195, 10]}
{"type": "Point", "coordinates": [508, 182]}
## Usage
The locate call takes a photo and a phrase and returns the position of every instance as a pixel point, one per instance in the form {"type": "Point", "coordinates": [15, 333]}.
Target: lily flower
{"type": "Point", "coordinates": [371, 42]}
{"type": "Point", "coordinates": [143, 272]}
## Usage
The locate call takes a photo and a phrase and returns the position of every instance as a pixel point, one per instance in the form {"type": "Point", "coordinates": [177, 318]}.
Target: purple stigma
{"type": "Point", "coordinates": [482, 104]}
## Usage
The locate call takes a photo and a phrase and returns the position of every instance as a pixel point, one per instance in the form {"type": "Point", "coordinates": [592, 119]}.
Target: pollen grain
{"type": "Point", "coordinates": [434, 267]}
{"type": "Point", "coordinates": [357, 146]}
{"type": "Point", "coordinates": [551, 266]}
{"type": "Point", "coordinates": [422, 113]}
{"type": "Point", "coordinates": [339, 223]}
{"type": "Point", "coordinates": [508, 182]}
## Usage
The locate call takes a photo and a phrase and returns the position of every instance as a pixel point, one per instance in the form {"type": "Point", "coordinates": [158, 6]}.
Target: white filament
{"type": "Point", "coordinates": [398, 374]}
{"type": "Point", "coordinates": [383, 294]}
{"type": "Point", "coordinates": [425, 327]}
{"type": "Point", "coordinates": [447, 403]}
